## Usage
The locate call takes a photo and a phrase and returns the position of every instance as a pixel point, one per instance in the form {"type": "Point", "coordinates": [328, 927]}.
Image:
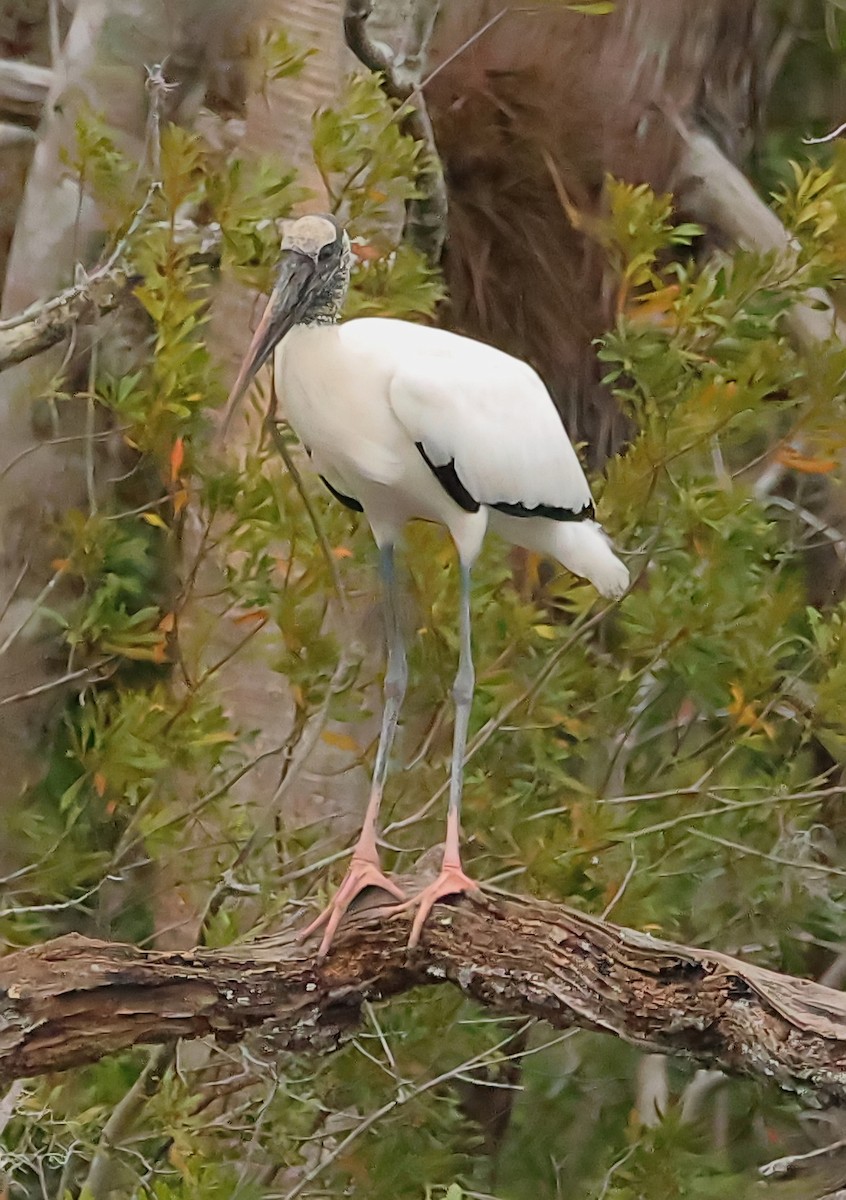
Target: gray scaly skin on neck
{"type": "Point", "coordinates": [328, 305]}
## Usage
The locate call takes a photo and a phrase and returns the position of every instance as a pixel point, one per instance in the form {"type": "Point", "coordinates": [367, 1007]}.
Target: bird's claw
{"type": "Point", "coordinates": [363, 873]}
{"type": "Point", "coordinates": [451, 882]}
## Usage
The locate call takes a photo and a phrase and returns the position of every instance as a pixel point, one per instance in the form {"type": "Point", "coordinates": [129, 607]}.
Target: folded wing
{"type": "Point", "coordinates": [489, 431]}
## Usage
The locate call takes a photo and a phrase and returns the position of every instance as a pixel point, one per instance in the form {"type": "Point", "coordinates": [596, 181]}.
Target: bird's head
{"type": "Point", "coordinates": [310, 288]}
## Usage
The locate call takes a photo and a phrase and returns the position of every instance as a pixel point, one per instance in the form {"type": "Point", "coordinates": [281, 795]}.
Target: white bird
{"type": "Point", "coordinates": [404, 421]}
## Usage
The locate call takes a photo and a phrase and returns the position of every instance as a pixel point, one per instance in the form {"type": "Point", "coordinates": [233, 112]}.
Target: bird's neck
{"type": "Point", "coordinates": [327, 306]}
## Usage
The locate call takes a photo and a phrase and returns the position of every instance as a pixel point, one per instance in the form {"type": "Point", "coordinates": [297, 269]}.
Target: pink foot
{"type": "Point", "coordinates": [363, 873]}
{"type": "Point", "coordinates": [450, 882]}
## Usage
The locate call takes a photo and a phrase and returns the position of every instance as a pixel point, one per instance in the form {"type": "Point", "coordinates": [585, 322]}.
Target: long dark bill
{"type": "Point", "coordinates": [289, 298]}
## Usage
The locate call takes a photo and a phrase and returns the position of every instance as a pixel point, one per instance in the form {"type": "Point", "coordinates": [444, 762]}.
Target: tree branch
{"type": "Point", "coordinates": [720, 195]}
{"type": "Point", "coordinates": [402, 73]}
{"type": "Point", "coordinates": [48, 322]}
{"type": "Point", "coordinates": [75, 1000]}
{"type": "Point", "coordinates": [23, 86]}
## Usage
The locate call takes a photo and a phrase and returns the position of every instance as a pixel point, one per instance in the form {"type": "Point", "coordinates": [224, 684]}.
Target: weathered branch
{"type": "Point", "coordinates": [23, 86]}
{"type": "Point", "coordinates": [73, 1000]}
{"type": "Point", "coordinates": [16, 135]}
{"type": "Point", "coordinates": [401, 75]}
{"type": "Point", "coordinates": [48, 322]}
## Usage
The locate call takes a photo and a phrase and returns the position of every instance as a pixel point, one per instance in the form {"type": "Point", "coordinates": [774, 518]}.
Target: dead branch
{"type": "Point", "coordinates": [74, 1000]}
{"type": "Point", "coordinates": [12, 135]}
{"type": "Point", "coordinates": [23, 86]}
{"type": "Point", "coordinates": [48, 322]}
{"type": "Point", "coordinates": [402, 80]}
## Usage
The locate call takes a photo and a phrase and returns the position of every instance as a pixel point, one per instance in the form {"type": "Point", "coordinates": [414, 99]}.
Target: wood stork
{"type": "Point", "coordinates": [404, 421]}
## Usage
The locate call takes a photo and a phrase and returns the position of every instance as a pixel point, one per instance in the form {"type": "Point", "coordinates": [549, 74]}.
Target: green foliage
{"type": "Point", "coordinates": [280, 56]}
{"type": "Point", "coordinates": [674, 764]}
{"type": "Point", "coordinates": [368, 166]}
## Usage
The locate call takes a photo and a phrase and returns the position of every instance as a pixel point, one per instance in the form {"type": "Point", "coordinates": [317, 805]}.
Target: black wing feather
{"type": "Point", "coordinates": [447, 477]}
{"type": "Point", "coordinates": [347, 500]}
{"type": "Point", "coordinates": [546, 510]}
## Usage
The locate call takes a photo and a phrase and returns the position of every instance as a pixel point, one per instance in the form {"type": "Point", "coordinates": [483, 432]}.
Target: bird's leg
{"type": "Point", "coordinates": [365, 869]}
{"type": "Point", "coordinates": [452, 878]}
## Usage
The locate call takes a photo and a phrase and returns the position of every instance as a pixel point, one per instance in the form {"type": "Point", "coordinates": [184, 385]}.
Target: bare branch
{"type": "Point", "coordinates": [23, 86]}
{"type": "Point", "coordinates": [48, 322]}
{"type": "Point", "coordinates": [16, 135]}
{"type": "Point", "coordinates": [74, 1000]}
{"type": "Point", "coordinates": [402, 74]}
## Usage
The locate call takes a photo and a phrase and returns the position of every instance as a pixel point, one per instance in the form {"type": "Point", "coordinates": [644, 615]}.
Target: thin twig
{"type": "Point", "coordinates": [401, 80]}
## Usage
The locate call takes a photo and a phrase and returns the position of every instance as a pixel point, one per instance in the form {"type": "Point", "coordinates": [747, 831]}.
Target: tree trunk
{"type": "Point", "coordinates": [102, 69]}
{"type": "Point", "coordinates": [530, 115]}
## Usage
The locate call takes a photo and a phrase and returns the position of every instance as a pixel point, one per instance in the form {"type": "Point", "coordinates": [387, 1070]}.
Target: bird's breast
{"type": "Point", "coordinates": [339, 409]}
{"type": "Point", "coordinates": [337, 400]}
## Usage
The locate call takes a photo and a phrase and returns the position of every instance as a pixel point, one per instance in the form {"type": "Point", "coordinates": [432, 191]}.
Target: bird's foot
{"type": "Point", "coordinates": [451, 881]}
{"type": "Point", "coordinates": [363, 873]}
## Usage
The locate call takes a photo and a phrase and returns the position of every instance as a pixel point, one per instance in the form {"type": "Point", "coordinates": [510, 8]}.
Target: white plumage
{"type": "Point", "coordinates": [362, 395]}
{"type": "Point", "coordinates": [405, 421]}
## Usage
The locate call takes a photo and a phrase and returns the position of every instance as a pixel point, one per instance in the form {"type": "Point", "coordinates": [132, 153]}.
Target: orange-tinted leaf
{"type": "Point", "coordinates": [177, 458]}
{"type": "Point", "coordinates": [167, 622]}
{"type": "Point", "coordinates": [365, 253]}
{"type": "Point", "coordinates": [341, 741]}
{"type": "Point", "coordinates": [255, 614]}
{"type": "Point", "coordinates": [180, 499]}
{"type": "Point", "coordinates": [99, 783]}
{"type": "Point", "coordinates": [728, 387]}
{"type": "Point", "coordinates": [60, 564]}
{"type": "Point", "coordinates": [788, 456]}
{"type": "Point", "coordinates": [653, 307]}
{"type": "Point", "coordinates": [341, 552]}
{"type": "Point", "coordinates": [159, 654]}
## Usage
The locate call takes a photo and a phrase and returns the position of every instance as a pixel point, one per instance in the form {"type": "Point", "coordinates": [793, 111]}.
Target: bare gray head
{"type": "Point", "coordinates": [318, 245]}
{"type": "Point", "coordinates": [310, 289]}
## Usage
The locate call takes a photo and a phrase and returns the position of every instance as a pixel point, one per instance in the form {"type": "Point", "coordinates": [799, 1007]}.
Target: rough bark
{"type": "Point", "coordinates": [74, 1000]}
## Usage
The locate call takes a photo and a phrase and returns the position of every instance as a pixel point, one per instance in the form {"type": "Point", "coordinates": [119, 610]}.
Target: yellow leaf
{"type": "Point", "coordinates": [214, 739]}
{"type": "Point", "coordinates": [745, 715]}
{"type": "Point", "coordinates": [153, 519]}
{"type": "Point", "coordinates": [654, 307]}
{"type": "Point", "coordinates": [341, 741]}
{"type": "Point", "coordinates": [545, 631]}
{"type": "Point", "coordinates": [180, 499]}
